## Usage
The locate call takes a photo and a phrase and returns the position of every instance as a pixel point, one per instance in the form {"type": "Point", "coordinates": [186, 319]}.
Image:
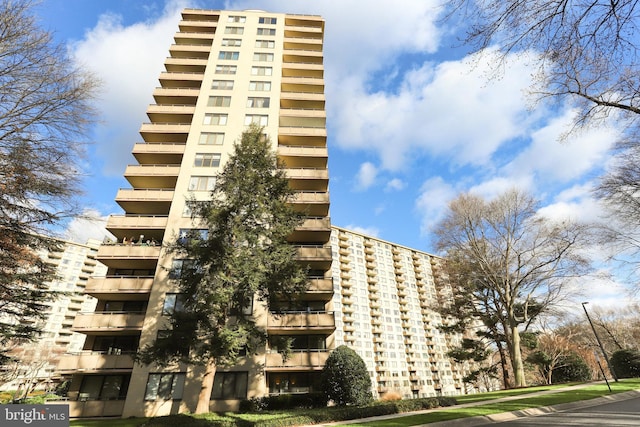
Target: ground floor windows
{"type": "Point", "coordinates": [104, 387]}
{"type": "Point", "coordinates": [169, 386]}
{"type": "Point", "coordinates": [293, 382]}
{"type": "Point", "coordinates": [230, 385]}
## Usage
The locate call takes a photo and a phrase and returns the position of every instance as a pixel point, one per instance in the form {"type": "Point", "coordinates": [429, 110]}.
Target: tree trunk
{"type": "Point", "coordinates": [516, 357]}
{"type": "Point", "coordinates": [204, 397]}
{"type": "Point", "coordinates": [506, 381]}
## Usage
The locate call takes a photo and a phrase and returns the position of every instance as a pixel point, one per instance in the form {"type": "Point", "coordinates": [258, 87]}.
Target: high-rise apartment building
{"type": "Point", "coordinates": [226, 70]}
{"type": "Point", "coordinates": [385, 297]}
{"type": "Point", "coordinates": [74, 264]}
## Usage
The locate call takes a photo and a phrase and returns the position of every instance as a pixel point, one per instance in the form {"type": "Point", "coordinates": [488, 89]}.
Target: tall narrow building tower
{"type": "Point", "coordinates": [226, 70]}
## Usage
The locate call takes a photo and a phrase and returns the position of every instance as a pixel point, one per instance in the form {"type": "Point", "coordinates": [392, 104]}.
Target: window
{"type": "Point", "coordinates": [266, 31]}
{"type": "Point", "coordinates": [258, 102]}
{"type": "Point", "coordinates": [172, 303]}
{"type": "Point", "coordinates": [257, 119]}
{"type": "Point", "coordinates": [234, 18]}
{"type": "Point", "coordinates": [226, 69]}
{"type": "Point", "coordinates": [261, 71]}
{"type": "Point", "coordinates": [202, 183]}
{"type": "Point", "coordinates": [228, 55]}
{"type": "Point", "coordinates": [271, 21]}
{"type": "Point", "coordinates": [219, 101]}
{"type": "Point", "coordinates": [231, 42]}
{"type": "Point", "coordinates": [211, 138]}
{"type": "Point", "coordinates": [222, 84]}
{"type": "Point", "coordinates": [164, 386]}
{"type": "Point", "coordinates": [234, 30]}
{"type": "Point", "coordinates": [263, 57]}
{"type": "Point", "coordinates": [215, 119]}
{"type": "Point", "coordinates": [265, 44]}
{"type": "Point", "coordinates": [260, 86]}
{"type": "Point", "coordinates": [191, 235]}
{"type": "Point", "coordinates": [179, 266]}
{"type": "Point", "coordinates": [230, 385]}
{"type": "Point", "coordinates": [104, 387]}
{"type": "Point", "coordinates": [207, 160]}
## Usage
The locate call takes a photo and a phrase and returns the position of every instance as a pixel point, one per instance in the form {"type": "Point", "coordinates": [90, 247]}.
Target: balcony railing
{"type": "Point", "coordinates": [94, 361]}
{"type": "Point", "coordinates": [302, 320]}
{"type": "Point", "coordinates": [119, 284]}
{"type": "Point", "coordinates": [108, 320]}
{"type": "Point", "coordinates": [298, 359]}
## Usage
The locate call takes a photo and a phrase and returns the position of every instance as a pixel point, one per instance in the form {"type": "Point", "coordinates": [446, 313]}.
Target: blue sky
{"type": "Point", "coordinates": [412, 120]}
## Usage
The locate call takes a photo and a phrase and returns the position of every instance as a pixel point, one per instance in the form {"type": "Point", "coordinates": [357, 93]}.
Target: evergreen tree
{"type": "Point", "coordinates": [236, 256]}
{"type": "Point", "coordinates": [345, 378]}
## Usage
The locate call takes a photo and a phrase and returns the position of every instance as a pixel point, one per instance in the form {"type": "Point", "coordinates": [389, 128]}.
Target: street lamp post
{"type": "Point", "coordinates": [604, 353]}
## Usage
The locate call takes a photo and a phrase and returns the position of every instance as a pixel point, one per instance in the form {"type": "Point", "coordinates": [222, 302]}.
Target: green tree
{"type": "Point", "coordinates": [345, 379]}
{"type": "Point", "coordinates": [44, 115]}
{"type": "Point", "coordinates": [237, 255]}
{"type": "Point", "coordinates": [626, 363]}
{"type": "Point", "coordinates": [570, 367]}
{"type": "Point", "coordinates": [510, 263]}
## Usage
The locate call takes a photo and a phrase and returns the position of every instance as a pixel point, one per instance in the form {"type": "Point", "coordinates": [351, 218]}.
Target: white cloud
{"type": "Point", "coordinates": [367, 231]}
{"type": "Point", "coordinates": [395, 184]}
{"type": "Point", "coordinates": [91, 225]}
{"type": "Point", "coordinates": [366, 176]}
{"type": "Point", "coordinates": [128, 60]}
{"type": "Point", "coordinates": [432, 202]}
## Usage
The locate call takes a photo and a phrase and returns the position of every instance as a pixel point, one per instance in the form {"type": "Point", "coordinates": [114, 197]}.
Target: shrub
{"type": "Point", "coordinates": [345, 379]}
{"type": "Point", "coordinates": [626, 363]}
{"type": "Point", "coordinates": [284, 401]}
{"type": "Point", "coordinates": [571, 368]}
{"type": "Point", "coordinates": [390, 396]}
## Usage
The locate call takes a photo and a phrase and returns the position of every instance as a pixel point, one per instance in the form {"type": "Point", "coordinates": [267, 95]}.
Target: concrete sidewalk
{"type": "Point", "coordinates": [505, 416]}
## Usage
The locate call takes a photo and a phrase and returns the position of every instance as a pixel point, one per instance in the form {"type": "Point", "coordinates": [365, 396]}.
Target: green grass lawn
{"type": "Point", "coordinates": [524, 402]}
{"type": "Point", "coordinates": [444, 414]}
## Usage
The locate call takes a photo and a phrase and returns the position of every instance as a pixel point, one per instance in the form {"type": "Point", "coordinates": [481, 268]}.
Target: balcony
{"type": "Point", "coordinates": [312, 321]}
{"type": "Point", "coordinates": [152, 176]}
{"type": "Point", "coordinates": [316, 256]}
{"type": "Point", "coordinates": [189, 51]}
{"type": "Point", "coordinates": [194, 38]}
{"type": "Point", "coordinates": [302, 43]}
{"type": "Point", "coordinates": [185, 65]}
{"type": "Point", "coordinates": [129, 256]}
{"type": "Point", "coordinates": [313, 203]}
{"type": "Point", "coordinates": [199, 26]}
{"type": "Point", "coordinates": [320, 286]}
{"type": "Point", "coordinates": [312, 359]}
{"type": "Point", "coordinates": [95, 362]}
{"type": "Point", "coordinates": [183, 96]}
{"type": "Point", "coordinates": [122, 226]}
{"type": "Point", "coordinates": [155, 201]}
{"type": "Point", "coordinates": [178, 80]}
{"type": "Point", "coordinates": [313, 229]}
{"type": "Point", "coordinates": [302, 96]}
{"type": "Point", "coordinates": [165, 132]}
{"type": "Point", "coordinates": [308, 179]}
{"type": "Point", "coordinates": [153, 153]}
{"type": "Point", "coordinates": [108, 322]}
{"type": "Point", "coordinates": [110, 287]}
{"type": "Point", "coordinates": [300, 139]}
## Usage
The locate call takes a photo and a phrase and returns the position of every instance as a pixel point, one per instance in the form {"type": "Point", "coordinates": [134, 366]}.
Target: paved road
{"type": "Point", "coordinates": [622, 413]}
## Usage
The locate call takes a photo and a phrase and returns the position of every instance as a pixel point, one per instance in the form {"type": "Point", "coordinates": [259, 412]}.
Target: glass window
{"type": "Point", "coordinates": [265, 44]}
{"type": "Point", "coordinates": [228, 55]}
{"type": "Point", "coordinates": [104, 387]}
{"type": "Point", "coordinates": [211, 138]}
{"type": "Point", "coordinates": [263, 57]}
{"type": "Point", "coordinates": [261, 71]}
{"type": "Point", "coordinates": [215, 119]}
{"type": "Point", "coordinates": [258, 102]}
{"type": "Point", "coordinates": [164, 386]}
{"type": "Point", "coordinates": [230, 385]}
{"type": "Point", "coordinates": [202, 183]}
{"type": "Point", "coordinates": [234, 30]}
{"type": "Point", "coordinates": [235, 18]}
{"type": "Point", "coordinates": [262, 120]}
{"type": "Point", "coordinates": [226, 69]}
{"type": "Point", "coordinates": [222, 84]}
{"type": "Point", "coordinates": [207, 160]}
{"type": "Point", "coordinates": [231, 42]}
{"type": "Point", "coordinates": [260, 86]}
{"type": "Point", "coordinates": [266, 31]}
{"type": "Point", "coordinates": [265, 20]}
{"type": "Point", "coordinates": [172, 303]}
{"type": "Point", "coordinates": [219, 101]}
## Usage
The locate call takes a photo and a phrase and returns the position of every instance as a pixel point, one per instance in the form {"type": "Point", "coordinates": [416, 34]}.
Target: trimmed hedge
{"type": "Point", "coordinates": [312, 416]}
{"type": "Point", "coordinates": [284, 401]}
